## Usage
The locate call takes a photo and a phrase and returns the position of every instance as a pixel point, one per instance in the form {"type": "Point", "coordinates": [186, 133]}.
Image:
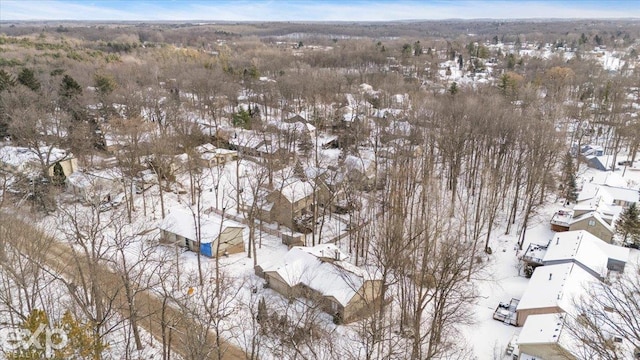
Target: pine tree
{"type": "Point", "coordinates": [569, 187]}
{"type": "Point", "coordinates": [628, 225]}
{"type": "Point", "coordinates": [242, 119]}
{"type": "Point", "coordinates": [69, 88]}
{"type": "Point", "coordinates": [31, 324]}
{"type": "Point", "coordinates": [28, 79]}
{"type": "Point", "coordinates": [58, 175]}
{"type": "Point", "coordinates": [306, 144]}
{"type": "Point", "coordinates": [104, 84]}
{"type": "Point", "coordinates": [6, 81]}
{"type": "Point", "coordinates": [453, 89]}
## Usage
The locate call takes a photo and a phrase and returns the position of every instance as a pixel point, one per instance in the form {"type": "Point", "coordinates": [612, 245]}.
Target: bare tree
{"type": "Point", "coordinates": [605, 322]}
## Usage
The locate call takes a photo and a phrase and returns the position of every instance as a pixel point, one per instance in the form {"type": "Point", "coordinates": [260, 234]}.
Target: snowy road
{"type": "Point", "coordinates": [59, 258]}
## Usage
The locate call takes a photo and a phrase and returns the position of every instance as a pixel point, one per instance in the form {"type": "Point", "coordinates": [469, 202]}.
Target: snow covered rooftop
{"type": "Point", "coordinates": [612, 251]}
{"type": "Point", "coordinates": [546, 329]}
{"type": "Point", "coordinates": [596, 216]}
{"type": "Point", "coordinates": [584, 248]}
{"type": "Point", "coordinates": [296, 190]}
{"type": "Point", "coordinates": [290, 186]}
{"type": "Point", "coordinates": [182, 222]}
{"type": "Point", "coordinates": [555, 285]}
{"type": "Point", "coordinates": [297, 127]}
{"type": "Point", "coordinates": [337, 278]}
{"type": "Point", "coordinates": [24, 159]}
{"type": "Point", "coordinates": [562, 217]}
{"type": "Point", "coordinates": [85, 179]}
{"type": "Point", "coordinates": [247, 138]}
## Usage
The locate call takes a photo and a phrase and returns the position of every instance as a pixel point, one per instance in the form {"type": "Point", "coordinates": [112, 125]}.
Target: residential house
{"type": "Point", "coordinates": [598, 162]}
{"type": "Point", "coordinates": [597, 208]}
{"type": "Point", "coordinates": [592, 150]}
{"type": "Point", "coordinates": [95, 187]}
{"type": "Point", "coordinates": [218, 236]}
{"type": "Point", "coordinates": [594, 223]}
{"type": "Point", "coordinates": [361, 170]}
{"type": "Point", "coordinates": [26, 161]}
{"type": "Point", "coordinates": [609, 194]}
{"type": "Point", "coordinates": [546, 337]}
{"type": "Point", "coordinates": [250, 143]}
{"type": "Point", "coordinates": [290, 199]}
{"type": "Point", "coordinates": [323, 274]}
{"type": "Point", "coordinates": [552, 290]}
{"type": "Point", "coordinates": [582, 248]}
{"type": "Point", "coordinates": [211, 156]}
{"type": "Point", "coordinates": [294, 119]}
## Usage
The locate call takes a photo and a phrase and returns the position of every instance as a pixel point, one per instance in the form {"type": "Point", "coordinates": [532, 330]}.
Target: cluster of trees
{"type": "Point", "coordinates": [475, 162]}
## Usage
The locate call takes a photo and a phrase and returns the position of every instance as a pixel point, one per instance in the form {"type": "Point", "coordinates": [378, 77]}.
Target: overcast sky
{"type": "Point", "coordinates": [299, 10]}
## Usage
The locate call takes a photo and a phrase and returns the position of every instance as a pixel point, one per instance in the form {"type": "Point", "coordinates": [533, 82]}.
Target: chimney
{"type": "Point", "coordinates": [337, 254]}
{"type": "Point", "coordinates": [557, 240]}
{"type": "Point", "coordinates": [550, 276]}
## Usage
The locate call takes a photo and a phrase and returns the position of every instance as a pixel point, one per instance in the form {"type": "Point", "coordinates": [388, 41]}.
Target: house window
{"type": "Point", "coordinates": [334, 307]}
{"type": "Point", "coordinates": [592, 223]}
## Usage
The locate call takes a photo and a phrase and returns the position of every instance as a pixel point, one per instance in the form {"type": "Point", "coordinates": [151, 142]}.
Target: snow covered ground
{"type": "Point", "coordinates": [490, 337]}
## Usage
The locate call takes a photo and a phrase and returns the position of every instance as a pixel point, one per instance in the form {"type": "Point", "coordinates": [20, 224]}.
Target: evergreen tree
{"type": "Point", "coordinates": [511, 61]}
{"type": "Point", "coordinates": [6, 81]}
{"type": "Point", "coordinates": [417, 48]}
{"type": "Point", "coordinates": [69, 88]}
{"type": "Point", "coordinates": [242, 119]}
{"type": "Point", "coordinates": [305, 145]}
{"type": "Point", "coordinates": [58, 175]}
{"type": "Point", "coordinates": [569, 187]}
{"type": "Point", "coordinates": [82, 342]}
{"type": "Point", "coordinates": [104, 84]}
{"type": "Point", "coordinates": [407, 50]}
{"type": "Point", "coordinates": [31, 324]}
{"type": "Point", "coordinates": [28, 79]}
{"type": "Point", "coordinates": [454, 88]}
{"type": "Point", "coordinates": [628, 225]}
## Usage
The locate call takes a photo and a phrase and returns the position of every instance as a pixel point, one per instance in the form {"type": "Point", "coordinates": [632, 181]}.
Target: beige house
{"type": "Point", "coordinates": [27, 161]}
{"type": "Point", "coordinates": [545, 337]}
{"type": "Point", "coordinates": [211, 156]}
{"type": "Point", "coordinates": [218, 236]}
{"type": "Point", "coordinates": [291, 199]}
{"type": "Point", "coordinates": [594, 223]}
{"type": "Point", "coordinates": [321, 273]}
